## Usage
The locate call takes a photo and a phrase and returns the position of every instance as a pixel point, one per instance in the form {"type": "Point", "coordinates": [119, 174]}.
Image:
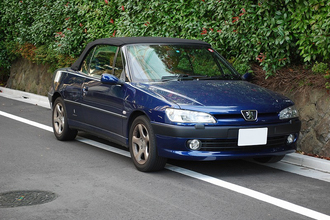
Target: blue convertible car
{"type": "Point", "coordinates": [170, 98]}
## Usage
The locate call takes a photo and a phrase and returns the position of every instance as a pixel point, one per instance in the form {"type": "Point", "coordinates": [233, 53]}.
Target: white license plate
{"type": "Point", "coordinates": [252, 136]}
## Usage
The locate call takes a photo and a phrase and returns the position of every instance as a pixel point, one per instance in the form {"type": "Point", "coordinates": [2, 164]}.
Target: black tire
{"type": "Point", "coordinates": [271, 159]}
{"type": "Point", "coordinates": [60, 122]}
{"type": "Point", "coordinates": [142, 146]}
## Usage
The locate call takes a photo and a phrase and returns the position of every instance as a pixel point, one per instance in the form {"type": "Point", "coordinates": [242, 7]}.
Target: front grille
{"type": "Point", "coordinates": [237, 119]}
{"type": "Point", "coordinates": [231, 144]}
{"type": "Point", "coordinates": [240, 116]}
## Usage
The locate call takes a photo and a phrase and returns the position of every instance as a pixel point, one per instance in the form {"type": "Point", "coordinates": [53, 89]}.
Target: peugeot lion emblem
{"type": "Point", "coordinates": [250, 115]}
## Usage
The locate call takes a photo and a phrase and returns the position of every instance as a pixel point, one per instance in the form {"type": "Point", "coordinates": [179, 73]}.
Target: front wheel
{"type": "Point", "coordinates": [270, 159]}
{"type": "Point", "coordinates": [142, 146]}
{"type": "Point", "coordinates": [60, 122]}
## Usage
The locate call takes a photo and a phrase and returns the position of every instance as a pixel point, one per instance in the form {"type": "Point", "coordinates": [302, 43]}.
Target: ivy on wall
{"type": "Point", "coordinates": [271, 33]}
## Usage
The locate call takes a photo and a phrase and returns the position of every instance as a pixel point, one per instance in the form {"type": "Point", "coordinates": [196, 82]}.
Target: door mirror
{"type": "Point", "coordinates": [247, 77]}
{"type": "Point", "coordinates": [107, 78]}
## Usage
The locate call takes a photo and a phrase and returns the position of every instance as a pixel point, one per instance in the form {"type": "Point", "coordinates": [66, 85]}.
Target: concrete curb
{"type": "Point", "coordinates": [295, 158]}
{"type": "Point", "coordinates": [25, 97]}
{"type": "Point", "coordinates": [308, 162]}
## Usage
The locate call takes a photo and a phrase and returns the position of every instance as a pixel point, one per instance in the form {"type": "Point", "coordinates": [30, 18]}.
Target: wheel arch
{"type": "Point", "coordinates": [61, 128]}
{"type": "Point", "coordinates": [55, 96]}
{"type": "Point", "coordinates": [144, 153]}
{"type": "Point", "coordinates": [131, 118]}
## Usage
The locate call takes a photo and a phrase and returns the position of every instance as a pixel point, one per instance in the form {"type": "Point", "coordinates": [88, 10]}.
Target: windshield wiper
{"type": "Point", "coordinates": [222, 77]}
{"type": "Point", "coordinates": [211, 78]}
{"type": "Point", "coordinates": [183, 77]}
{"type": "Point", "coordinates": [180, 77]}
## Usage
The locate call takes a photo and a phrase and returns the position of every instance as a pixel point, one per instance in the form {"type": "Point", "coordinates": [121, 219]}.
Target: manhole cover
{"type": "Point", "coordinates": [25, 198]}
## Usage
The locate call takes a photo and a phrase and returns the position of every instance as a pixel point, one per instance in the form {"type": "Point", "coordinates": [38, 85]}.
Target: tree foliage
{"type": "Point", "coordinates": [271, 33]}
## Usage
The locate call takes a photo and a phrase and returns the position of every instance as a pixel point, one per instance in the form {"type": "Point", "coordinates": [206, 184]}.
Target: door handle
{"type": "Point", "coordinates": [85, 90]}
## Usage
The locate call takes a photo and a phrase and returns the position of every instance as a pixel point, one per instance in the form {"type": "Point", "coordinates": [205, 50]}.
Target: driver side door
{"type": "Point", "coordinates": [104, 103]}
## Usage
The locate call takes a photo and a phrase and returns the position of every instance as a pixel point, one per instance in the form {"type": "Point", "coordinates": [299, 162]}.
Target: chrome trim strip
{"type": "Point", "coordinates": [95, 108]}
{"type": "Point", "coordinates": [83, 75]}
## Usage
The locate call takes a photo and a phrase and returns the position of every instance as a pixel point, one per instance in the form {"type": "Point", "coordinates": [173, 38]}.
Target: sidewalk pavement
{"type": "Point", "coordinates": [295, 158]}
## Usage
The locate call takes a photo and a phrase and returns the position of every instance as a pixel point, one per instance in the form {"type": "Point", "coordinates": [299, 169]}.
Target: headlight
{"type": "Point", "coordinates": [290, 112]}
{"type": "Point", "coordinates": [186, 116]}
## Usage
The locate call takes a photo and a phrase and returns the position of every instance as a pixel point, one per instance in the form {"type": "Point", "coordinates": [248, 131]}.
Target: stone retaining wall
{"type": "Point", "coordinates": [313, 107]}
{"type": "Point", "coordinates": [29, 77]}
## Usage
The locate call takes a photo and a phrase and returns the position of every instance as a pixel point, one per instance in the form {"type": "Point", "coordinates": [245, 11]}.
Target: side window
{"type": "Point", "coordinates": [86, 62]}
{"type": "Point", "coordinates": [100, 60]}
{"type": "Point", "coordinates": [119, 68]}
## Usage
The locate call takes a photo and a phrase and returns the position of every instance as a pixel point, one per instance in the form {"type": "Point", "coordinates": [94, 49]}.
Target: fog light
{"type": "Point", "coordinates": [291, 138]}
{"type": "Point", "coordinates": [194, 144]}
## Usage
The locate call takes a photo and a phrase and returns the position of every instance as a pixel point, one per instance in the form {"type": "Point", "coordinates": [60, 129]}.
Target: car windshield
{"type": "Point", "coordinates": [155, 63]}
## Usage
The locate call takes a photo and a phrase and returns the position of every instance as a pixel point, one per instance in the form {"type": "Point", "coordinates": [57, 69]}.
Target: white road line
{"type": "Point", "coordinates": [209, 179]}
{"type": "Point", "coordinates": [103, 146]}
{"type": "Point", "coordinates": [27, 121]}
{"type": "Point", "coordinates": [251, 193]}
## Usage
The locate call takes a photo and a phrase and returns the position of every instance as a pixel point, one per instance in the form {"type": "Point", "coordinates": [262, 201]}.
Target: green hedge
{"type": "Point", "coordinates": [271, 33]}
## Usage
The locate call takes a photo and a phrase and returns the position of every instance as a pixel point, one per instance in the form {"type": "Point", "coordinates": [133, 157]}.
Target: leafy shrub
{"type": "Point", "coordinates": [320, 68]}
{"type": "Point", "coordinates": [4, 61]}
{"type": "Point", "coordinates": [311, 27]}
{"type": "Point", "coordinates": [271, 33]}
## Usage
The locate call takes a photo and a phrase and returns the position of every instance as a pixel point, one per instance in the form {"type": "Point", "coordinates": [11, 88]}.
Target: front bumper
{"type": "Point", "coordinates": [220, 142]}
{"type": "Point", "coordinates": [50, 97]}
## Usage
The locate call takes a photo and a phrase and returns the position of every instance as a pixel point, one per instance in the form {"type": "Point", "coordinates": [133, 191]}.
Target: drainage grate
{"type": "Point", "coordinates": [25, 198]}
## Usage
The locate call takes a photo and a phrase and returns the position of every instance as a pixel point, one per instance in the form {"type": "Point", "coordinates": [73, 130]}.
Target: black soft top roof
{"type": "Point", "coordinates": [121, 41]}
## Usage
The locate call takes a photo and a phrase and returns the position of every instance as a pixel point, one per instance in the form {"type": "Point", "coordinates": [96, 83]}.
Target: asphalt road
{"type": "Point", "coordinates": [95, 183]}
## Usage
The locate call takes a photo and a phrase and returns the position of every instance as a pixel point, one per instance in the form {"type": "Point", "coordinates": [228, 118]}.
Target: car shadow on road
{"type": "Point", "coordinates": [219, 169]}
{"type": "Point", "coordinates": [226, 168]}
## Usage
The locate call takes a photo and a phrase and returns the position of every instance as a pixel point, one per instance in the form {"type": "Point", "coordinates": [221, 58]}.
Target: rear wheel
{"type": "Point", "coordinates": [142, 145]}
{"type": "Point", "coordinates": [60, 122]}
{"type": "Point", "coordinates": [271, 159]}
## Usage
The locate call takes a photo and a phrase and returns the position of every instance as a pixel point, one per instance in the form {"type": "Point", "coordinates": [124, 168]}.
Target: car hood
{"type": "Point", "coordinates": [218, 95]}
